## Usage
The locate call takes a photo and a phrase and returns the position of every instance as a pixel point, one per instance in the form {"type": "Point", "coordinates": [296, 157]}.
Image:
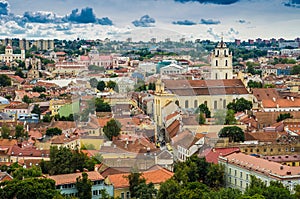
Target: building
{"type": "Point", "coordinates": [34, 65]}
{"type": "Point", "coordinates": [239, 167]}
{"type": "Point", "coordinates": [173, 69]}
{"type": "Point", "coordinates": [65, 183]}
{"type": "Point", "coordinates": [9, 56]}
{"type": "Point", "coordinates": [221, 62]}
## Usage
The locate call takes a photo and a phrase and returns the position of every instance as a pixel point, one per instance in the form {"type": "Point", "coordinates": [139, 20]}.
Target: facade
{"type": "Point", "coordinates": [239, 167]}
{"type": "Point", "coordinates": [9, 56]}
{"type": "Point", "coordinates": [173, 69]}
{"type": "Point", "coordinates": [221, 62]}
{"type": "Point", "coordinates": [65, 183]}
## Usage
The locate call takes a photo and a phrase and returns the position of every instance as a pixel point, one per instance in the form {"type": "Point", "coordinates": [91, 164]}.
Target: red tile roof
{"type": "Point", "coordinates": [214, 153]}
{"type": "Point", "coordinates": [71, 178]}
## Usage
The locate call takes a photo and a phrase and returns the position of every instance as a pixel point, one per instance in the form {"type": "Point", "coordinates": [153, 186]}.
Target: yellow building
{"type": "Point", "coordinates": [55, 105]}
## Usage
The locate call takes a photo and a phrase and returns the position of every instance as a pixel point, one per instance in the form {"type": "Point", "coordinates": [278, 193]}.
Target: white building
{"type": "Point", "coordinates": [9, 56]}
{"type": "Point", "coordinates": [239, 167]}
{"type": "Point", "coordinates": [221, 62]}
{"type": "Point", "coordinates": [173, 69]}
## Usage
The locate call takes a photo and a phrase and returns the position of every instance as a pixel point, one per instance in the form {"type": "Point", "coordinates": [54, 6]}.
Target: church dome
{"type": "Point", "coordinates": [8, 47]}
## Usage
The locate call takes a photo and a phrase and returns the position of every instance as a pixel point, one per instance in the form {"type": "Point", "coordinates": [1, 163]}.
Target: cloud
{"type": "Point", "coordinates": [242, 21]}
{"type": "Point", "coordinates": [4, 7]}
{"type": "Point", "coordinates": [220, 2]}
{"type": "Point", "coordinates": [41, 17]}
{"type": "Point", "coordinates": [144, 21]}
{"type": "Point", "coordinates": [184, 22]}
{"type": "Point", "coordinates": [292, 3]}
{"type": "Point", "coordinates": [209, 22]}
{"type": "Point", "coordinates": [63, 27]}
{"type": "Point", "coordinates": [213, 34]}
{"type": "Point", "coordinates": [233, 32]}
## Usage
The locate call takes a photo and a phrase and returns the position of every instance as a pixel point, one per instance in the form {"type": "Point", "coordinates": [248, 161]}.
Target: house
{"type": "Point", "coordinates": [120, 183]}
{"type": "Point", "coordinates": [185, 144]}
{"type": "Point", "coordinates": [4, 176]}
{"type": "Point", "coordinates": [65, 183]}
{"type": "Point", "coordinates": [72, 142]}
{"type": "Point", "coordinates": [173, 69]}
{"type": "Point", "coordinates": [239, 167]}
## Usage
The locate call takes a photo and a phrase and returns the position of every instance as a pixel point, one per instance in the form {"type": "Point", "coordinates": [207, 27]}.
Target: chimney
{"type": "Point", "coordinates": [281, 167]}
{"type": "Point", "coordinates": [85, 170]}
{"type": "Point", "coordinates": [77, 171]}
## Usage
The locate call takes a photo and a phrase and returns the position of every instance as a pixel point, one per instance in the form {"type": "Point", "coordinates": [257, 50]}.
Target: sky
{"type": "Point", "coordinates": [142, 20]}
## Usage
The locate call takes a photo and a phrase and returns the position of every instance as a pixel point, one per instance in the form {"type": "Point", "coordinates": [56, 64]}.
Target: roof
{"type": "Point", "coordinates": [173, 128]}
{"type": "Point", "coordinates": [213, 154]}
{"type": "Point", "coordinates": [265, 93]}
{"type": "Point", "coordinates": [71, 178]}
{"type": "Point", "coordinates": [260, 165]}
{"type": "Point", "coordinates": [264, 136]}
{"type": "Point", "coordinates": [156, 176]}
{"type": "Point", "coordinates": [8, 142]}
{"type": "Point", "coordinates": [205, 87]}
{"type": "Point", "coordinates": [63, 125]}
{"type": "Point", "coordinates": [186, 139]}
{"type": "Point", "coordinates": [281, 103]}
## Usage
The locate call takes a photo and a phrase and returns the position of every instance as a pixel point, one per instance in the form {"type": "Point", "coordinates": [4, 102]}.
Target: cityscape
{"type": "Point", "coordinates": [97, 103]}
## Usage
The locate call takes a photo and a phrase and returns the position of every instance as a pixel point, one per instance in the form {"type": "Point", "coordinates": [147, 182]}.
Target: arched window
{"type": "Point", "coordinates": [225, 53]}
{"type": "Point", "coordinates": [186, 104]}
{"type": "Point", "coordinates": [215, 104]}
{"type": "Point", "coordinates": [195, 103]}
{"type": "Point", "coordinates": [217, 52]}
{"type": "Point", "coordinates": [205, 102]}
{"type": "Point", "coordinates": [216, 76]}
{"type": "Point", "coordinates": [226, 76]}
{"type": "Point", "coordinates": [224, 103]}
{"type": "Point", "coordinates": [177, 102]}
{"type": "Point", "coordinates": [216, 62]}
{"type": "Point", "coordinates": [226, 62]}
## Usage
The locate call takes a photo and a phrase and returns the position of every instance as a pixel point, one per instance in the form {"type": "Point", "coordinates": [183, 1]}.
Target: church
{"type": "Point", "coordinates": [9, 56]}
{"type": "Point", "coordinates": [216, 93]}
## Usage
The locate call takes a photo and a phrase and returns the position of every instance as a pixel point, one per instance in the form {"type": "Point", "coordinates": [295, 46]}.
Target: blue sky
{"type": "Point", "coordinates": [144, 19]}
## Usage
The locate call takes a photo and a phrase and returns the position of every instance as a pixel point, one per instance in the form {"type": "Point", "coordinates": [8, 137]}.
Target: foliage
{"type": "Point", "coordinates": [102, 106]}
{"type": "Point", "coordinates": [101, 86]}
{"type": "Point", "coordinates": [53, 131]}
{"type": "Point", "coordinates": [201, 118]}
{"type": "Point", "coordinates": [22, 173]}
{"type": "Point", "coordinates": [93, 82]}
{"type": "Point", "coordinates": [204, 109]}
{"type": "Point", "coordinates": [88, 147]}
{"type": "Point", "coordinates": [20, 132]}
{"type": "Point", "coordinates": [4, 80]}
{"type": "Point", "coordinates": [19, 73]}
{"type": "Point", "coordinates": [112, 85]}
{"type": "Point", "coordinates": [47, 118]}
{"type": "Point", "coordinates": [5, 132]}
{"type": "Point", "coordinates": [234, 133]}
{"type": "Point", "coordinates": [63, 118]}
{"type": "Point", "coordinates": [65, 160]}
{"type": "Point", "coordinates": [240, 105]}
{"type": "Point", "coordinates": [295, 70]}
{"type": "Point", "coordinates": [145, 191]}
{"type": "Point", "coordinates": [84, 186]}
{"type": "Point", "coordinates": [254, 84]}
{"type": "Point", "coordinates": [37, 188]}
{"type": "Point", "coordinates": [251, 69]}
{"type": "Point", "coordinates": [96, 68]}
{"type": "Point", "coordinates": [26, 99]}
{"type": "Point", "coordinates": [168, 189]}
{"type": "Point", "coordinates": [112, 129]}
{"type": "Point", "coordinates": [135, 179]}
{"type": "Point", "coordinates": [220, 116]}
{"type": "Point", "coordinates": [36, 109]}
{"type": "Point", "coordinates": [283, 61]}
{"type": "Point", "coordinates": [230, 118]}
{"type": "Point", "coordinates": [283, 116]}
{"type": "Point", "coordinates": [269, 86]}
{"type": "Point", "coordinates": [39, 89]}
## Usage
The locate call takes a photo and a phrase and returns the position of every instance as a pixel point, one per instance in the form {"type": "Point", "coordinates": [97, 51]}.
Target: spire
{"type": "Point", "coordinates": [222, 43]}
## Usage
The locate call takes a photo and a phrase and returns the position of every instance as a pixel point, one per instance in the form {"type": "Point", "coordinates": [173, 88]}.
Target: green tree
{"type": "Point", "coordinates": [240, 105]}
{"type": "Point", "coordinates": [39, 89]}
{"type": "Point", "coordinates": [230, 118]}
{"type": "Point", "coordinates": [102, 106]}
{"type": "Point", "coordinates": [22, 173]}
{"type": "Point", "coordinates": [93, 82]}
{"type": "Point", "coordinates": [4, 80]}
{"type": "Point", "coordinates": [5, 132]}
{"type": "Point", "coordinates": [84, 187]}
{"type": "Point", "coordinates": [53, 131]}
{"type": "Point", "coordinates": [201, 118]}
{"type": "Point", "coordinates": [112, 129]}
{"type": "Point", "coordinates": [295, 70]}
{"type": "Point", "coordinates": [215, 176]}
{"type": "Point", "coordinates": [234, 133]}
{"type": "Point", "coordinates": [26, 99]}
{"type": "Point", "coordinates": [135, 179]}
{"type": "Point", "coordinates": [47, 118]}
{"type": "Point", "coordinates": [220, 116]}
{"type": "Point", "coordinates": [101, 86]}
{"type": "Point", "coordinates": [19, 131]}
{"type": "Point", "coordinates": [283, 116]}
{"type": "Point", "coordinates": [111, 84]}
{"type": "Point", "coordinates": [36, 109]}
{"type": "Point", "coordinates": [19, 73]}
{"type": "Point", "coordinates": [145, 191]}
{"type": "Point", "coordinates": [37, 188]}
{"type": "Point", "coordinates": [254, 84]}
{"type": "Point", "coordinates": [169, 189]}
{"type": "Point", "coordinates": [204, 109]}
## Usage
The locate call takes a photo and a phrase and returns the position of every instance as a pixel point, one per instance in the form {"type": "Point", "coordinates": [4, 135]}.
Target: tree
{"type": "Point", "coordinates": [22, 173]}
{"type": "Point", "coordinates": [134, 179]}
{"type": "Point", "coordinates": [26, 99]}
{"type": "Point", "coordinates": [84, 186]}
{"type": "Point", "coordinates": [145, 191]}
{"type": "Point", "coordinates": [215, 176]}
{"type": "Point", "coordinates": [4, 80]}
{"type": "Point", "coordinates": [254, 84]}
{"type": "Point", "coordinates": [220, 116]}
{"type": "Point", "coordinates": [112, 129]}
{"type": "Point", "coordinates": [230, 118]}
{"type": "Point", "coordinates": [5, 132]}
{"type": "Point", "coordinates": [240, 105]}
{"type": "Point", "coordinates": [101, 86]}
{"type": "Point", "coordinates": [169, 189]}
{"type": "Point", "coordinates": [283, 116]}
{"type": "Point", "coordinates": [111, 84]}
{"type": "Point", "coordinates": [53, 131]}
{"type": "Point", "coordinates": [102, 106]}
{"type": "Point", "coordinates": [201, 118]}
{"type": "Point", "coordinates": [39, 89]}
{"type": "Point", "coordinates": [19, 73]}
{"type": "Point", "coordinates": [234, 133]}
{"type": "Point", "coordinates": [204, 109]}
{"type": "Point", "coordinates": [38, 188]}
{"type": "Point", "coordinates": [19, 131]}
{"type": "Point", "coordinates": [295, 70]}
{"type": "Point", "coordinates": [93, 82]}
{"type": "Point", "coordinates": [36, 109]}
{"type": "Point", "coordinates": [47, 118]}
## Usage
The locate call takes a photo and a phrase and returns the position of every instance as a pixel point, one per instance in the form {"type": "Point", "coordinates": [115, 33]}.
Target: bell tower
{"type": "Point", "coordinates": [221, 62]}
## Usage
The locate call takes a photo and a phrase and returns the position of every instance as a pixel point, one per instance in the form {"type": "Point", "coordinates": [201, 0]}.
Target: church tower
{"type": "Point", "coordinates": [221, 62]}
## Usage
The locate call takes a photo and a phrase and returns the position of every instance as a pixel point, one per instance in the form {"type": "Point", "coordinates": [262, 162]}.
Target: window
{"type": "Point", "coordinates": [216, 62]}
{"type": "Point", "coordinates": [241, 183]}
{"type": "Point", "coordinates": [195, 103]}
{"type": "Point", "coordinates": [241, 174]}
{"type": "Point", "coordinates": [229, 170]}
{"type": "Point", "coordinates": [127, 194]}
{"type": "Point", "coordinates": [186, 104]}
{"type": "Point", "coordinates": [122, 195]}
{"type": "Point", "coordinates": [257, 150]}
{"type": "Point", "coordinates": [292, 149]}
{"type": "Point", "coordinates": [226, 76]}
{"type": "Point", "coordinates": [235, 181]}
{"type": "Point", "coordinates": [234, 172]}
{"type": "Point", "coordinates": [247, 176]}
{"type": "Point", "coordinates": [286, 149]}
{"type": "Point", "coordinates": [215, 104]}
{"type": "Point", "coordinates": [95, 192]}
{"type": "Point", "coordinates": [226, 64]}
{"type": "Point", "coordinates": [216, 76]}
{"type": "Point", "coordinates": [224, 101]}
